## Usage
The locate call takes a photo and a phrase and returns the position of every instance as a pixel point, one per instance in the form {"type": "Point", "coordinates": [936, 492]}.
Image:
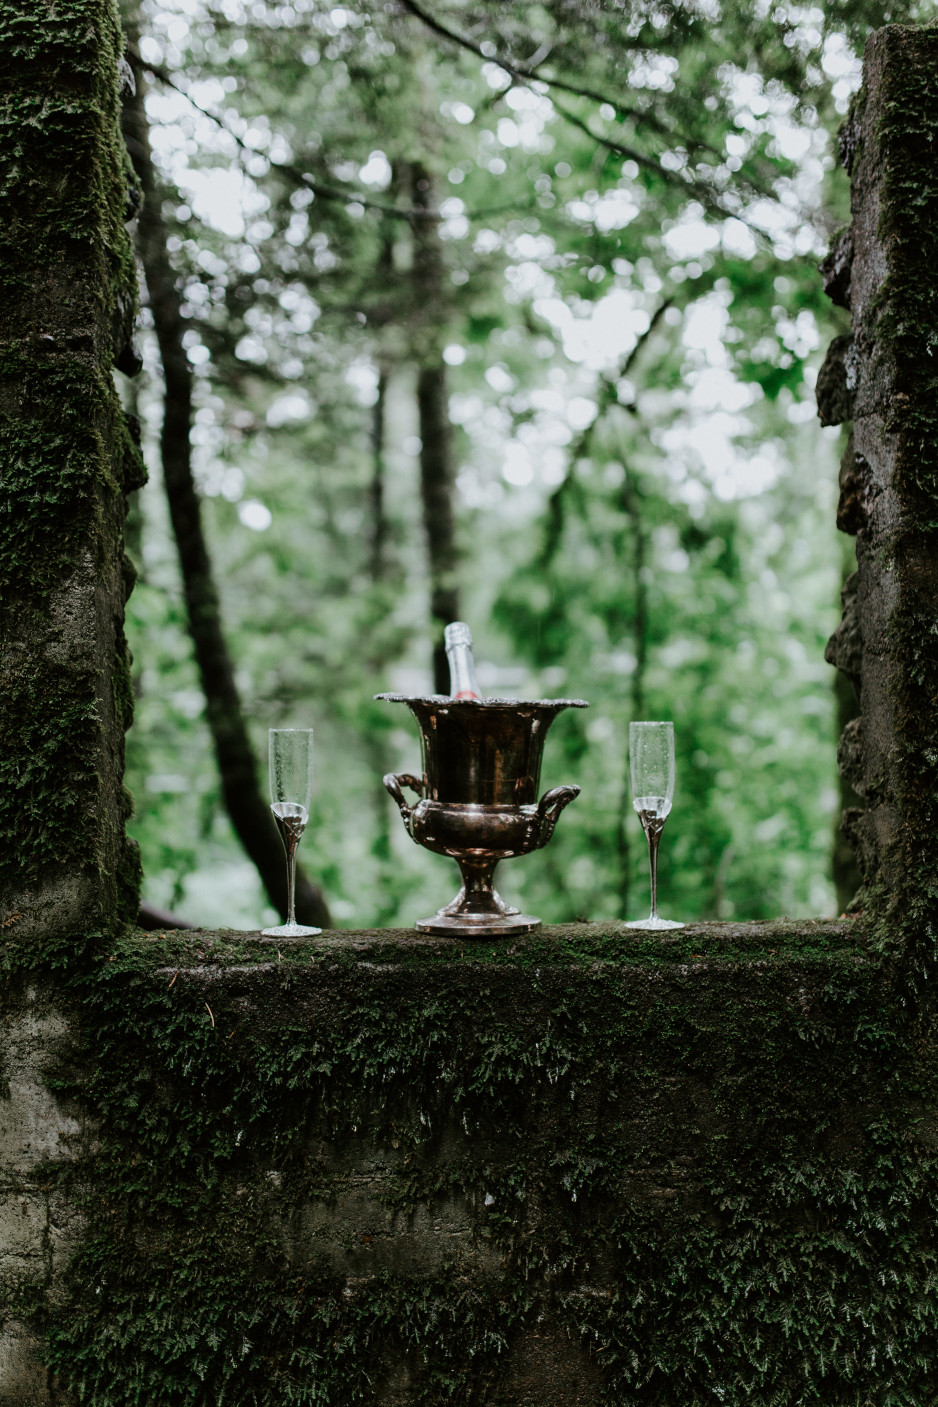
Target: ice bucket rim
{"type": "Point", "coordinates": [494, 704]}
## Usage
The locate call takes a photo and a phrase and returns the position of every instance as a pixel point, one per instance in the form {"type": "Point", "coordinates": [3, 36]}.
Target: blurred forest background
{"type": "Point", "coordinates": [507, 312]}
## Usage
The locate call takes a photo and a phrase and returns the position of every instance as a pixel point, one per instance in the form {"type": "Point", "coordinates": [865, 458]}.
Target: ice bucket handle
{"type": "Point", "coordinates": [394, 781]}
{"type": "Point", "coordinates": [548, 809]}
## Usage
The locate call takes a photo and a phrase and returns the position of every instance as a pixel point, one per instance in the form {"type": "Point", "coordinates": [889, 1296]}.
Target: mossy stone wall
{"type": "Point", "coordinates": [67, 298]}
{"type": "Point", "coordinates": [584, 1167]}
{"type": "Point", "coordinates": [39, 1221]}
{"type": "Point", "coordinates": [67, 295]}
{"type": "Point", "coordinates": [885, 377]}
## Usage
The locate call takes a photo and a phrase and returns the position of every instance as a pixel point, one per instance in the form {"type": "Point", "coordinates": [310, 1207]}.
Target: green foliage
{"type": "Point", "coordinates": [553, 210]}
{"type": "Point", "coordinates": [714, 635]}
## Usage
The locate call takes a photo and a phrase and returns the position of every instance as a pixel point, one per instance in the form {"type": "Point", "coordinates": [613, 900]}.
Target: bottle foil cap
{"type": "Point", "coordinates": [457, 633]}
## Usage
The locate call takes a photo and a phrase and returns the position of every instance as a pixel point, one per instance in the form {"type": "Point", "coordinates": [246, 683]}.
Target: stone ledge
{"type": "Point", "coordinates": [575, 944]}
{"type": "Point", "coordinates": [567, 1145]}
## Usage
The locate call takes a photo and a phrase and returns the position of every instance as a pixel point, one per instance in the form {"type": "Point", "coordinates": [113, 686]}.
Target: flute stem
{"type": "Point", "coordinates": [653, 826]}
{"type": "Point", "coordinates": [653, 838]}
{"type": "Point", "coordinates": [291, 823]}
{"type": "Point", "coordinates": [291, 883]}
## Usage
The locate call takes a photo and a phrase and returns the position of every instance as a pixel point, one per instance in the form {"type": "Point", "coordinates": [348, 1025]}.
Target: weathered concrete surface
{"type": "Point", "coordinates": [550, 1365]}
{"type": "Point", "coordinates": [356, 1234]}
{"type": "Point", "coordinates": [38, 1225]}
{"type": "Point", "coordinates": [33, 1126]}
{"type": "Point", "coordinates": [24, 1382]}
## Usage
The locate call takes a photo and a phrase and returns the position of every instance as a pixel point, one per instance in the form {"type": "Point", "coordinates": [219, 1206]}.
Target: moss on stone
{"type": "Point", "coordinates": [904, 325]}
{"type": "Point", "coordinates": [62, 166]}
{"type": "Point", "coordinates": [709, 1163]}
{"type": "Point", "coordinates": [66, 266]}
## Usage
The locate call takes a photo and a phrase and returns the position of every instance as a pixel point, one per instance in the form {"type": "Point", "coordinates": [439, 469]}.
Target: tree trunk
{"type": "Point", "coordinates": [377, 525]}
{"type": "Point", "coordinates": [244, 801]}
{"type": "Point", "coordinates": [631, 502]}
{"type": "Point", "coordinates": [375, 744]}
{"type": "Point", "coordinates": [436, 452]}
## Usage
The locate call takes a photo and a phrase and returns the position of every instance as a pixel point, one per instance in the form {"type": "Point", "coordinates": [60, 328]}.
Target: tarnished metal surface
{"type": "Point", "coordinates": [486, 753]}
{"type": "Point", "coordinates": [477, 798]}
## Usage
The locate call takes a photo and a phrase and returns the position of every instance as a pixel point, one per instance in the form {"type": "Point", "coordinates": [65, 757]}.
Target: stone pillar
{"type": "Point", "coordinates": [884, 376]}
{"type": "Point", "coordinates": [67, 456]}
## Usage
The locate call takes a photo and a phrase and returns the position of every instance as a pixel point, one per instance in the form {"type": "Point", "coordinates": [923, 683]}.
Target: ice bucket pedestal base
{"type": "Point", "coordinates": [445, 925]}
{"type": "Point", "coordinates": [478, 911]}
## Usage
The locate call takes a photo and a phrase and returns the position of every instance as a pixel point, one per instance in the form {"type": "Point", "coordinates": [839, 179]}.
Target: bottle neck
{"type": "Point", "coordinates": [462, 674]}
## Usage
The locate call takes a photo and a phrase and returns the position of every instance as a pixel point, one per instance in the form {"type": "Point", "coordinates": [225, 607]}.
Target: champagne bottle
{"type": "Point", "coordinates": [462, 671]}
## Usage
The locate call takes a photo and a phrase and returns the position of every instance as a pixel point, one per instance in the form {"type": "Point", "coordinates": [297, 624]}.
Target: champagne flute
{"type": "Point", "coordinates": [651, 764]}
{"type": "Point", "coordinates": [290, 756]}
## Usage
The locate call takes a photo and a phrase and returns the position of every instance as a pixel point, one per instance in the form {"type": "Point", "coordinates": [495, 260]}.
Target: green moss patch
{"type": "Point", "coordinates": [62, 174]}
{"type": "Point", "coordinates": [66, 265]}
{"type": "Point", "coordinates": [710, 1166]}
{"type": "Point", "coordinates": [905, 330]}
